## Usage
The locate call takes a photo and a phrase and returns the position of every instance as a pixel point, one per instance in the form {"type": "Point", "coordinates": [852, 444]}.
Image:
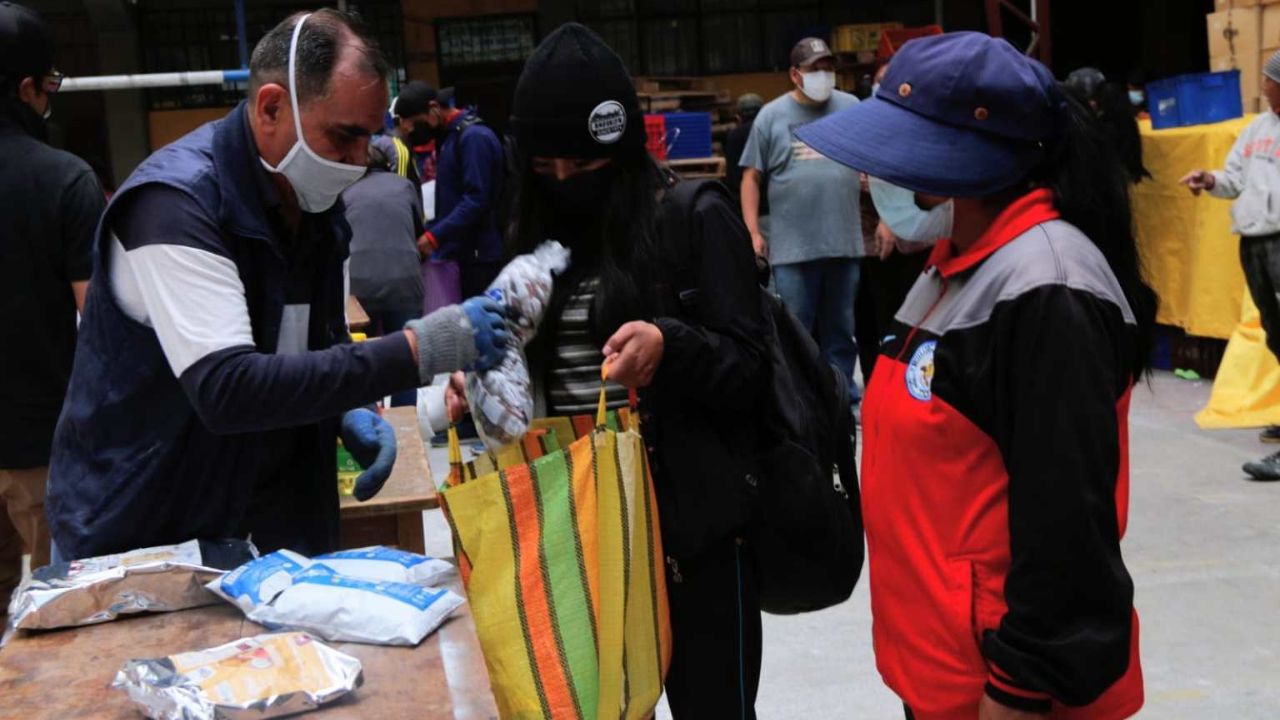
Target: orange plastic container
{"type": "Point", "coordinates": [892, 39]}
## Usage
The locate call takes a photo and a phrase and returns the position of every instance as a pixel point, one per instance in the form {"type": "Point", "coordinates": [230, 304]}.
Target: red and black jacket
{"type": "Point", "coordinates": [995, 479]}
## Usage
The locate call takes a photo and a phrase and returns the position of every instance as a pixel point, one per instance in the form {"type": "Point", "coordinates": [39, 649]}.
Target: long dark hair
{"type": "Point", "coordinates": [620, 249]}
{"type": "Point", "coordinates": [1091, 190]}
{"type": "Point", "coordinates": [1119, 122]}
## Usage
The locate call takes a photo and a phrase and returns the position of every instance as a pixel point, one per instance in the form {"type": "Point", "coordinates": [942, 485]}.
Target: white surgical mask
{"type": "Point", "coordinates": [897, 208]}
{"type": "Point", "coordinates": [1136, 97]}
{"type": "Point", "coordinates": [316, 182]}
{"type": "Point", "coordinates": [818, 85]}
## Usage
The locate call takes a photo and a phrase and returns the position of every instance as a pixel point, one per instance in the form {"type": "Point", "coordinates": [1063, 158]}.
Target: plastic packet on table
{"type": "Point", "coordinates": [287, 590]}
{"type": "Point", "coordinates": [388, 564]}
{"type": "Point", "coordinates": [259, 677]}
{"type": "Point", "coordinates": [95, 590]}
{"type": "Point", "coordinates": [501, 399]}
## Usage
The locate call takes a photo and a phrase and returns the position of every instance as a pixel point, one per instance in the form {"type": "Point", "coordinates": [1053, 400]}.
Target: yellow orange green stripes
{"type": "Point", "coordinates": [534, 601]}
{"type": "Point", "coordinates": [582, 476]}
{"type": "Point", "coordinates": [562, 560]}
{"type": "Point", "coordinates": [564, 574]}
{"type": "Point", "coordinates": [530, 593]}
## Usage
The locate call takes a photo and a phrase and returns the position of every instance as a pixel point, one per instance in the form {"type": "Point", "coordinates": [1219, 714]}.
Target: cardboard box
{"type": "Point", "coordinates": [861, 38]}
{"type": "Point", "coordinates": [1235, 33]}
{"type": "Point", "coordinates": [1250, 77]}
{"type": "Point", "coordinates": [1269, 36]}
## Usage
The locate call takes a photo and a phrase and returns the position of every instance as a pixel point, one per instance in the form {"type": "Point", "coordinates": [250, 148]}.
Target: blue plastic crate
{"type": "Point", "coordinates": [689, 134]}
{"type": "Point", "coordinates": [1195, 99]}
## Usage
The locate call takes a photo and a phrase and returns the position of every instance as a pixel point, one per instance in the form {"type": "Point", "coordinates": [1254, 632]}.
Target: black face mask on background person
{"type": "Point", "coordinates": [421, 134]}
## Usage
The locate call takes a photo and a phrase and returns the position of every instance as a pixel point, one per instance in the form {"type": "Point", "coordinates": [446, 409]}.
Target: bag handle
{"type": "Point", "coordinates": [602, 410]}
{"type": "Point", "coordinates": [455, 447]}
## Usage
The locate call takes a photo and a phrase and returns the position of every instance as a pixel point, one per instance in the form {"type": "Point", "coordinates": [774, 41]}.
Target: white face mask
{"type": "Point", "coordinates": [898, 209]}
{"type": "Point", "coordinates": [818, 85]}
{"type": "Point", "coordinates": [316, 182]}
{"type": "Point", "coordinates": [1136, 97]}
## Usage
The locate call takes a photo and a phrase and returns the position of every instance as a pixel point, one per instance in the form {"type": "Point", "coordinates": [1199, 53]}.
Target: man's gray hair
{"type": "Point", "coordinates": [324, 38]}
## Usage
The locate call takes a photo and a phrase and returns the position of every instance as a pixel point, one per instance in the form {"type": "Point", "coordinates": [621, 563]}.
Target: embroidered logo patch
{"type": "Point", "coordinates": [920, 371]}
{"type": "Point", "coordinates": [607, 122]}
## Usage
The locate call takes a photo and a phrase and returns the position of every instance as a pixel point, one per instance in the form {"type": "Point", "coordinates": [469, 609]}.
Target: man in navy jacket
{"type": "Point", "coordinates": [213, 361]}
{"type": "Point", "coordinates": [470, 169]}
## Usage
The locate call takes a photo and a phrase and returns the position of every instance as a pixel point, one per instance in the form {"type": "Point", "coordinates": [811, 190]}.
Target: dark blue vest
{"type": "Point", "coordinates": [133, 466]}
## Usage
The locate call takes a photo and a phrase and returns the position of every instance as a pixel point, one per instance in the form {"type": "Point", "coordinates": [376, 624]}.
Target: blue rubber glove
{"type": "Point", "coordinates": [372, 443]}
{"type": "Point", "coordinates": [489, 327]}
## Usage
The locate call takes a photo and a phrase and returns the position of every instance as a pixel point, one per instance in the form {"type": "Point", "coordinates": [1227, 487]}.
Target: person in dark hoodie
{"type": "Point", "coordinates": [1117, 117]}
{"type": "Point", "coordinates": [50, 202]}
{"type": "Point", "coordinates": [470, 168]}
{"type": "Point", "coordinates": [585, 178]}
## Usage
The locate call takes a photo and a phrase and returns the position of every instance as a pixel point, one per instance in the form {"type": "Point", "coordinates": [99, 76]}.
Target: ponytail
{"type": "Point", "coordinates": [1091, 190]}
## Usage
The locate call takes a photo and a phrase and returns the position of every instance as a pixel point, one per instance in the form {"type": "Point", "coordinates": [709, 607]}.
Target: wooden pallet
{"type": "Point", "coordinates": [691, 168]}
{"type": "Point", "coordinates": [668, 101]}
{"type": "Point", "coordinates": [668, 84]}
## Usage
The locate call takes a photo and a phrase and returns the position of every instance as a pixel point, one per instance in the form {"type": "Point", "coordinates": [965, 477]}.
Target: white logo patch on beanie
{"type": "Point", "coordinates": [607, 123]}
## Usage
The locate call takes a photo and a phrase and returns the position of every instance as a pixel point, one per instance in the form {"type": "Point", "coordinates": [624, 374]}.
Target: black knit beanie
{"type": "Point", "coordinates": [576, 99]}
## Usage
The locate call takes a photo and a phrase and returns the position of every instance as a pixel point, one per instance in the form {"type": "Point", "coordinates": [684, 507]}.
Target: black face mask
{"type": "Point", "coordinates": [421, 134]}
{"type": "Point", "coordinates": [577, 202]}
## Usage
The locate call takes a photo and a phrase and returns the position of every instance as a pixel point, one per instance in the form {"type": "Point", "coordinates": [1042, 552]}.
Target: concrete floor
{"type": "Point", "coordinates": [1201, 545]}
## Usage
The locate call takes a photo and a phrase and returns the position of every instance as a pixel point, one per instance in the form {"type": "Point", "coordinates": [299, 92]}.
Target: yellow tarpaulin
{"type": "Point", "coordinates": [1192, 259]}
{"type": "Point", "coordinates": [1193, 262]}
{"type": "Point", "coordinates": [1246, 392]}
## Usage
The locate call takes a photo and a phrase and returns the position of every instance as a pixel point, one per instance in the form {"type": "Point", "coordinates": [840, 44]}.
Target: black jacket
{"type": "Point", "coordinates": [699, 414]}
{"type": "Point", "coordinates": [699, 417]}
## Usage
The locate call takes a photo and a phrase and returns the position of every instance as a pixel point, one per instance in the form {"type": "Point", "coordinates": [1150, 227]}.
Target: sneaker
{"type": "Point", "coordinates": [1270, 435]}
{"type": "Point", "coordinates": [1268, 468]}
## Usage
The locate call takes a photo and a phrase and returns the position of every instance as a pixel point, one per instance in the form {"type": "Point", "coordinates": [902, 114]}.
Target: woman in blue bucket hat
{"type": "Point", "coordinates": [995, 469]}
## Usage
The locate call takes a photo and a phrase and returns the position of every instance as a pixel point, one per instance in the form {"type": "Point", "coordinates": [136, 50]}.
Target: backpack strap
{"type": "Point", "coordinates": [467, 121]}
{"type": "Point", "coordinates": [675, 218]}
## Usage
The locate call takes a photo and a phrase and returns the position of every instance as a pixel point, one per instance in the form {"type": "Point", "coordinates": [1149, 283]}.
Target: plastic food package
{"type": "Point", "coordinates": [386, 564]}
{"type": "Point", "coordinates": [94, 590]}
{"type": "Point", "coordinates": [287, 590]}
{"type": "Point", "coordinates": [501, 399]}
{"type": "Point", "coordinates": [265, 676]}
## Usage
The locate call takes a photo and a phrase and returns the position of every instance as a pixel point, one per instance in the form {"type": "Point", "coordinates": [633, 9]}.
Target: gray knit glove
{"type": "Point", "coordinates": [470, 336]}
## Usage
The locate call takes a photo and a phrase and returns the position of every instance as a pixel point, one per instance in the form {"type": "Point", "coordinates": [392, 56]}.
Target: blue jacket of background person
{"type": "Point", "coordinates": [470, 170]}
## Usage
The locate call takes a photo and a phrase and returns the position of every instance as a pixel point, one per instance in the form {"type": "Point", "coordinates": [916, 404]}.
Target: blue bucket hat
{"type": "Point", "coordinates": [957, 115]}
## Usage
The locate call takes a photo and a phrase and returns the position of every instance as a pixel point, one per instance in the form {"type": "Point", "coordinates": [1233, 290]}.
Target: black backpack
{"type": "Point", "coordinates": [807, 527]}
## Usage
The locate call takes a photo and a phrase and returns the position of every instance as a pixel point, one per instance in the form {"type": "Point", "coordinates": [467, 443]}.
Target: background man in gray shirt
{"type": "Point", "coordinates": [815, 233]}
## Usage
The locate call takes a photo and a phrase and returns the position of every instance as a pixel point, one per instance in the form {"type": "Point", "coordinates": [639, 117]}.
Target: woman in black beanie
{"type": "Point", "coordinates": [695, 355]}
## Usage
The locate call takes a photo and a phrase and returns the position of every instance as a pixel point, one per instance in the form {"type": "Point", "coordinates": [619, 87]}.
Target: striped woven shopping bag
{"type": "Point", "coordinates": [562, 561]}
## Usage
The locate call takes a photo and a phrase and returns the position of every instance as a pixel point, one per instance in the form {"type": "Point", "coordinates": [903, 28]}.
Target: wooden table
{"type": "Point", "coordinates": [394, 515]}
{"type": "Point", "coordinates": [357, 318]}
{"type": "Point", "coordinates": [66, 674]}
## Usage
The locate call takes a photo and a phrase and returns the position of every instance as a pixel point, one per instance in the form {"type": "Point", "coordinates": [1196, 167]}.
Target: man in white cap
{"type": "Point", "coordinates": [1252, 178]}
{"type": "Point", "coordinates": [814, 233]}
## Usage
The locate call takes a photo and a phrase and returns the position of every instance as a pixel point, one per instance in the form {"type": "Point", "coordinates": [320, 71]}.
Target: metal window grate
{"type": "Point", "coordinates": [468, 42]}
{"type": "Point", "coordinates": [204, 38]}
{"type": "Point", "coordinates": [689, 37]}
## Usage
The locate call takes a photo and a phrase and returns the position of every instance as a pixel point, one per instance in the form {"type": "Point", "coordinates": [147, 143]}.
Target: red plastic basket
{"type": "Point", "coordinates": [892, 39]}
{"type": "Point", "coordinates": [655, 129]}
